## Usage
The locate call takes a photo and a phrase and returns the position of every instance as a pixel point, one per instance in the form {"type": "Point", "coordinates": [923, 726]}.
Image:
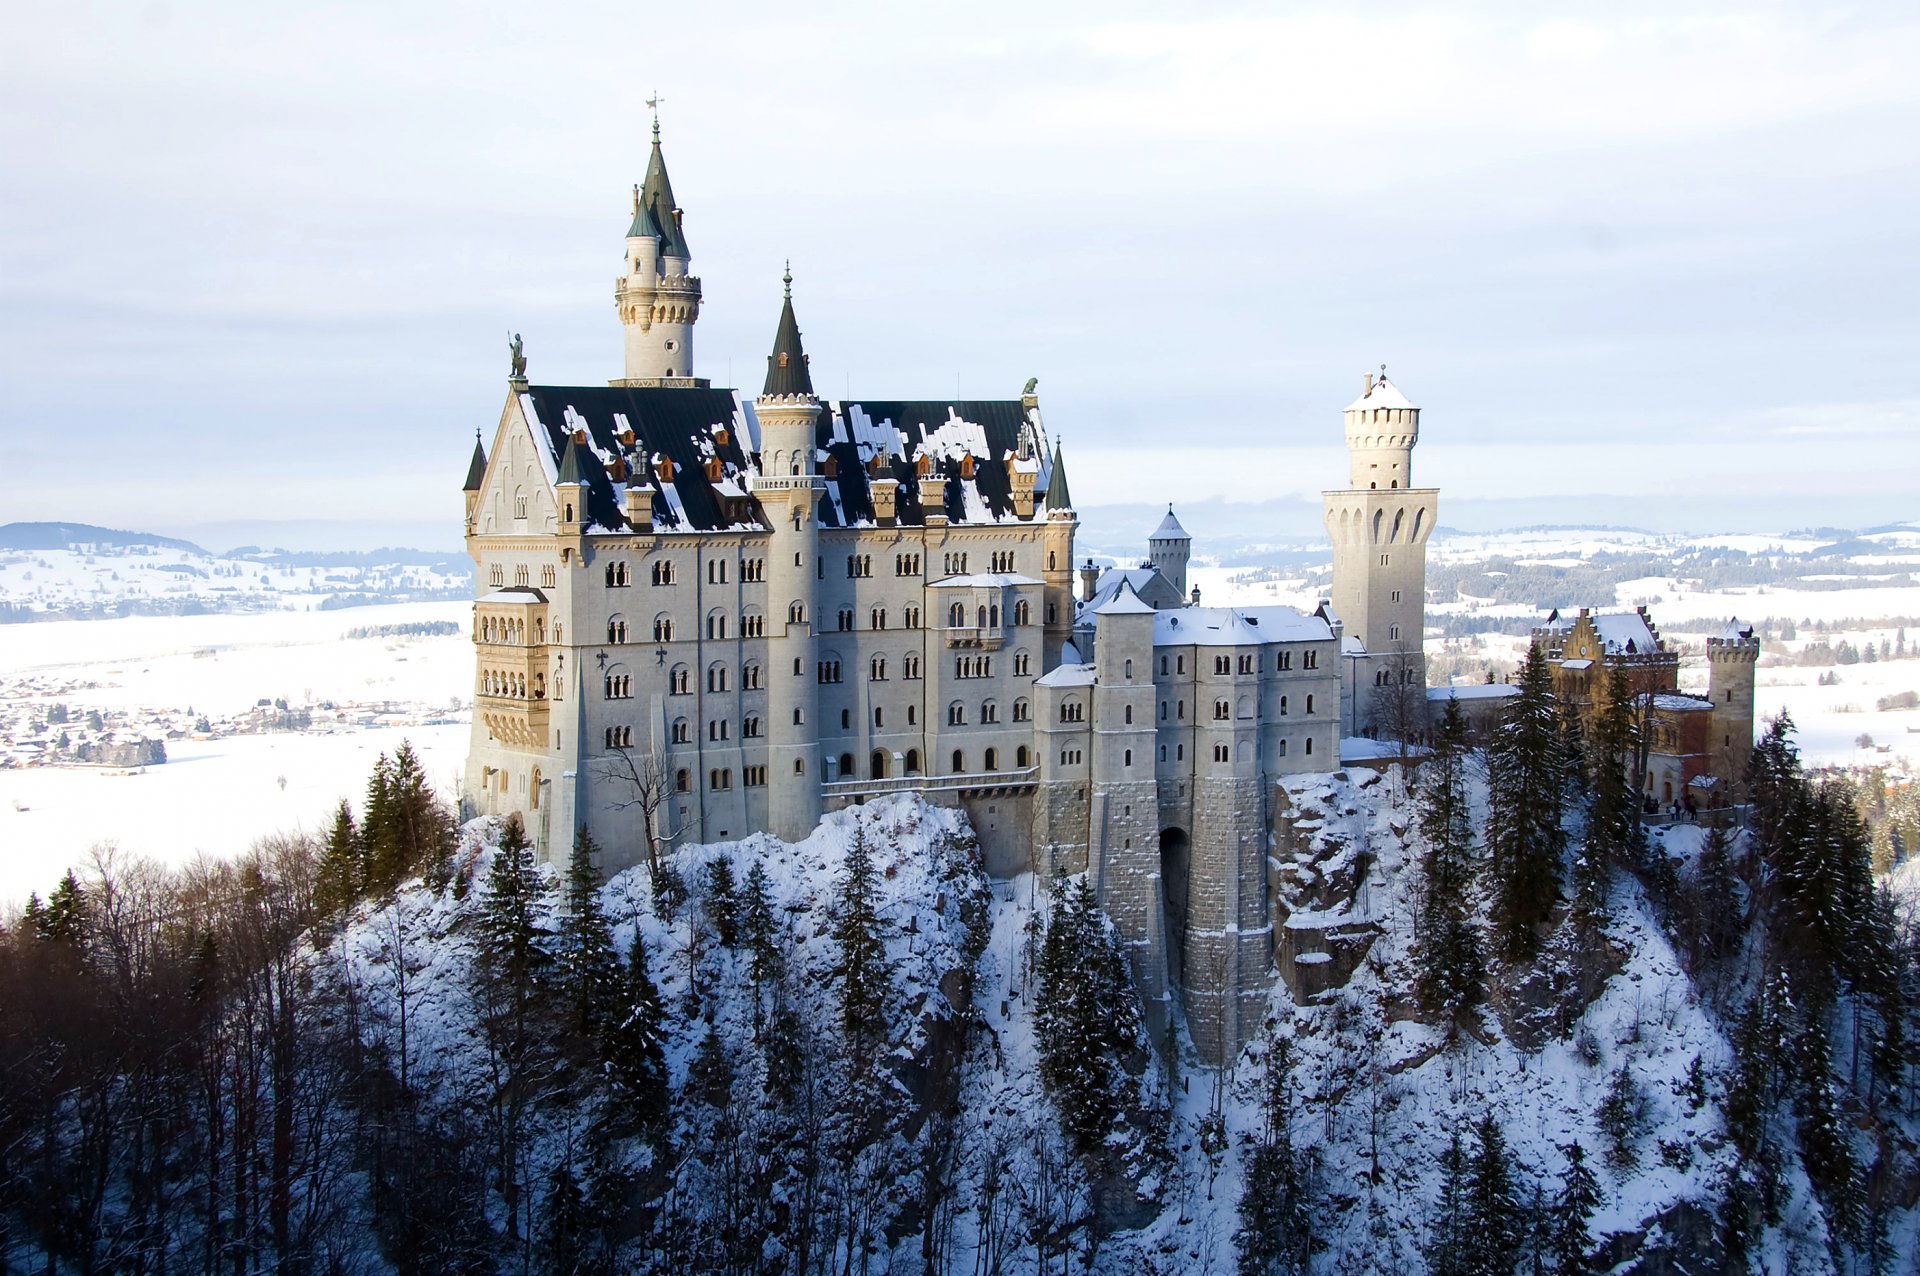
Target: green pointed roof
{"type": "Point", "coordinates": [1057, 498]}
{"type": "Point", "coordinates": [477, 468]}
{"type": "Point", "coordinates": [656, 199]}
{"type": "Point", "coordinates": [574, 463]}
{"type": "Point", "coordinates": [643, 223]}
{"type": "Point", "coordinates": [787, 366]}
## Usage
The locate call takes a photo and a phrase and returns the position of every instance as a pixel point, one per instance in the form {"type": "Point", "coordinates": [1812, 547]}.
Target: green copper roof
{"type": "Point", "coordinates": [656, 198]}
{"type": "Point", "coordinates": [574, 464]}
{"type": "Point", "coordinates": [787, 365]}
{"type": "Point", "coordinates": [477, 468]}
{"type": "Point", "coordinates": [1057, 498]}
{"type": "Point", "coordinates": [643, 223]}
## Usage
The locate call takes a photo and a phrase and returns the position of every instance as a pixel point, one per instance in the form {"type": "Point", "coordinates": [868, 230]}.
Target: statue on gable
{"type": "Point", "coordinates": [518, 353]}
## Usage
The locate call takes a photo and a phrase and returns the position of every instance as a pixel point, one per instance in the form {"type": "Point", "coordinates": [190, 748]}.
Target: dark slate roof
{"type": "Point", "coordinates": [477, 468]}
{"type": "Point", "coordinates": [1057, 498]}
{"type": "Point", "coordinates": [678, 425]}
{"type": "Point", "coordinates": [787, 366]}
{"type": "Point", "coordinates": [643, 223]}
{"type": "Point", "coordinates": [656, 198]}
{"type": "Point", "coordinates": [850, 495]}
{"type": "Point", "coordinates": [574, 468]}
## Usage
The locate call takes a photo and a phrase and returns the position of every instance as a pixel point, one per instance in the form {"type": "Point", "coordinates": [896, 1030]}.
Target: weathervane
{"type": "Point", "coordinates": [653, 104]}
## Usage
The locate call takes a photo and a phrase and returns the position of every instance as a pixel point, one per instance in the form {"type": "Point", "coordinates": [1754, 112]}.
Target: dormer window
{"type": "Point", "coordinates": [783, 358]}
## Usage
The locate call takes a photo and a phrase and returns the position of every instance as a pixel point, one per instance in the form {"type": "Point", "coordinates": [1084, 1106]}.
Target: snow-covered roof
{"type": "Point", "coordinates": [1170, 528]}
{"type": "Point", "coordinates": [1734, 631]}
{"type": "Point", "coordinates": [1474, 691]}
{"type": "Point", "coordinates": [1069, 654]}
{"type": "Point", "coordinates": [1576, 664]}
{"type": "Point", "coordinates": [1074, 675]}
{"type": "Point", "coordinates": [1144, 581]}
{"type": "Point", "coordinates": [1381, 394]}
{"type": "Point", "coordinates": [1624, 630]}
{"type": "Point", "coordinates": [1236, 627]}
{"type": "Point", "coordinates": [1674, 702]}
{"type": "Point", "coordinates": [984, 580]}
{"type": "Point", "coordinates": [1350, 645]}
{"type": "Point", "coordinates": [1124, 603]}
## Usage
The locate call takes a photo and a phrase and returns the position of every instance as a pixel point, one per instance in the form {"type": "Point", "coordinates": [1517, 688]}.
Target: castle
{"type": "Point", "coordinates": [703, 614]}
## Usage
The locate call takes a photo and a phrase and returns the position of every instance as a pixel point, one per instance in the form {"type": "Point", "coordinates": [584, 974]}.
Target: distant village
{"type": "Point", "coordinates": [38, 728]}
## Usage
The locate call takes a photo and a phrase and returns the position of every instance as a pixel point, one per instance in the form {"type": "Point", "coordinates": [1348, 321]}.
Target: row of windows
{"type": "Point", "coordinates": [989, 712]}
{"type": "Point", "coordinates": [512, 686]}
{"type": "Point", "coordinates": [1385, 677]}
{"type": "Point", "coordinates": [507, 631]}
{"type": "Point", "coordinates": [663, 572]}
{"type": "Point", "coordinates": [1245, 663]}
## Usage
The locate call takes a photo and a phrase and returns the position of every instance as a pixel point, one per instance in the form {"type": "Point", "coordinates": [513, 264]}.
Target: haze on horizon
{"type": "Point", "coordinates": [257, 266]}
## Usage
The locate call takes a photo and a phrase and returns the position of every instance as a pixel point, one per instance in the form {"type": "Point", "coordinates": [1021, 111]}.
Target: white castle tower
{"type": "Point", "coordinates": [1168, 549]}
{"type": "Point", "coordinates": [658, 300]}
{"type": "Point", "coordinates": [1379, 526]}
{"type": "Point", "coordinates": [789, 490]}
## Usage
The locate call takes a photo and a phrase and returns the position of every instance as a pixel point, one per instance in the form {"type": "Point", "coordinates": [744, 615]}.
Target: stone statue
{"type": "Point", "coordinates": [519, 354]}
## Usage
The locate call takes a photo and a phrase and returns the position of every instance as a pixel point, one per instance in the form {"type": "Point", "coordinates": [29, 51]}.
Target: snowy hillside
{"type": "Point", "coordinates": [81, 572]}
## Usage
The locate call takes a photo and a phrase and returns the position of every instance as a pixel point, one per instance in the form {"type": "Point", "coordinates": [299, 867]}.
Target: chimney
{"type": "Point", "coordinates": [1089, 581]}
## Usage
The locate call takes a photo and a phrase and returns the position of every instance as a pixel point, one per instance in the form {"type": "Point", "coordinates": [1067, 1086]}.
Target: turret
{"type": "Point", "coordinates": [476, 477]}
{"type": "Point", "coordinates": [1731, 659]}
{"type": "Point", "coordinates": [789, 492]}
{"type": "Point", "coordinates": [1168, 549]}
{"type": "Point", "coordinates": [1382, 428]}
{"type": "Point", "coordinates": [1379, 526]}
{"type": "Point", "coordinates": [657, 298]}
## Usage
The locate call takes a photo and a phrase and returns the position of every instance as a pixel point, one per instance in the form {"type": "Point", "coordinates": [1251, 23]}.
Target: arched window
{"type": "Point", "coordinates": [956, 714]}
{"type": "Point", "coordinates": [913, 762]}
{"type": "Point", "coordinates": [1021, 710]}
{"type": "Point", "coordinates": [1128, 665]}
{"type": "Point", "coordinates": [1022, 613]}
{"type": "Point", "coordinates": [991, 762]}
{"type": "Point", "coordinates": [1127, 713]}
{"type": "Point", "coordinates": [796, 613]}
{"type": "Point", "coordinates": [1127, 755]}
{"type": "Point", "coordinates": [680, 780]}
{"type": "Point", "coordinates": [957, 616]}
{"type": "Point", "coordinates": [877, 765]}
{"type": "Point", "coordinates": [959, 761]}
{"type": "Point", "coordinates": [1309, 704]}
{"type": "Point", "coordinates": [846, 767]}
{"type": "Point", "coordinates": [1022, 757]}
{"type": "Point", "coordinates": [1309, 746]}
{"type": "Point", "coordinates": [662, 628]}
{"type": "Point", "coordinates": [679, 681]}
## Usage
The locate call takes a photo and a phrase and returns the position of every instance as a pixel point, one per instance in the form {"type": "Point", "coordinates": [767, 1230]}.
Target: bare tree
{"type": "Point", "coordinates": [646, 779]}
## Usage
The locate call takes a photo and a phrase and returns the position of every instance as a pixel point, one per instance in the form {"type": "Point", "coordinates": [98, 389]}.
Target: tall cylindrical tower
{"type": "Point", "coordinates": [1731, 659]}
{"type": "Point", "coordinates": [1379, 526]}
{"type": "Point", "coordinates": [657, 296]}
{"type": "Point", "coordinates": [789, 490]}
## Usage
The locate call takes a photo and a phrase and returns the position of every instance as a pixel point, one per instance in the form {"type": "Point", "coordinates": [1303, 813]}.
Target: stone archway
{"type": "Point", "coordinates": [1176, 858]}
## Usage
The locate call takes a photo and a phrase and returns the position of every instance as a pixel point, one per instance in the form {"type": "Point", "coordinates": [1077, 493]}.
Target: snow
{"type": "Point", "coordinates": [1236, 627]}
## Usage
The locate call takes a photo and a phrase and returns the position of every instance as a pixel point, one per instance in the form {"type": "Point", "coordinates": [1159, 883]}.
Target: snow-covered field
{"type": "Point", "coordinates": [213, 797]}
{"type": "Point", "coordinates": [216, 796]}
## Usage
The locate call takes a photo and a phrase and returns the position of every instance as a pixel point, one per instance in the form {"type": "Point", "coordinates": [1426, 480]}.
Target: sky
{"type": "Point", "coordinates": [1649, 265]}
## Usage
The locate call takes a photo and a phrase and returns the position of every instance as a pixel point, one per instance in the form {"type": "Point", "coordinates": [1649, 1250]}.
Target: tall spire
{"type": "Point", "coordinates": [477, 468]}
{"type": "Point", "coordinates": [787, 366]}
{"type": "Point", "coordinates": [656, 199]}
{"type": "Point", "coordinates": [643, 223]}
{"type": "Point", "coordinates": [1057, 498]}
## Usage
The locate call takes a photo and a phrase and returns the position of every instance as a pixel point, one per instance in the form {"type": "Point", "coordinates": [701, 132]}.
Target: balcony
{"type": "Point", "coordinates": [976, 638]}
{"type": "Point", "coordinates": [1022, 780]}
{"type": "Point", "coordinates": [513, 720]}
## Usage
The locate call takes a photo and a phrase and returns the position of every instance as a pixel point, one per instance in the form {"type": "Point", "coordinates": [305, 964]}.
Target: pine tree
{"type": "Point", "coordinates": [722, 903]}
{"type": "Point", "coordinates": [1614, 835]}
{"type": "Point", "coordinates": [1526, 789]}
{"type": "Point", "coordinates": [1620, 1117]}
{"type": "Point", "coordinates": [67, 916]}
{"type": "Point", "coordinates": [1275, 1237]}
{"type": "Point", "coordinates": [380, 862]}
{"type": "Point", "coordinates": [1570, 1233]}
{"type": "Point", "coordinates": [1448, 1244]}
{"type": "Point", "coordinates": [589, 967]}
{"type": "Point", "coordinates": [1085, 1019]}
{"type": "Point", "coordinates": [1493, 1216]}
{"type": "Point", "coordinates": [509, 919]}
{"type": "Point", "coordinates": [1717, 910]}
{"type": "Point", "coordinates": [760, 926]}
{"type": "Point", "coordinates": [1445, 945]}
{"type": "Point", "coordinates": [565, 1230]}
{"type": "Point", "coordinates": [632, 1049]}
{"type": "Point", "coordinates": [862, 973]}
{"type": "Point", "coordinates": [340, 873]}
{"type": "Point", "coordinates": [1825, 1147]}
